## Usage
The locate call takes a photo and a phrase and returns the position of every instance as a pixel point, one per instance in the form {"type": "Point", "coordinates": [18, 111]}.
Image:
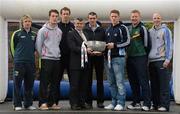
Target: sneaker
{"type": "Point", "coordinates": [100, 105]}
{"type": "Point", "coordinates": [43, 107]}
{"type": "Point", "coordinates": [109, 107]}
{"type": "Point", "coordinates": [31, 108]}
{"type": "Point", "coordinates": [145, 108]}
{"type": "Point", "coordinates": [119, 107]}
{"type": "Point", "coordinates": [162, 109]}
{"type": "Point", "coordinates": [153, 107]}
{"type": "Point", "coordinates": [75, 107]}
{"type": "Point", "coordinates": [87, 106]}
{"type": "Point", "coordinates": [18, 108]}
{"type": "Point", "coordinates": [1, 101]}
{"type": "Point", "coordinates": [55, 107]}
{"type": "Point", "coordinates": [134, 106]}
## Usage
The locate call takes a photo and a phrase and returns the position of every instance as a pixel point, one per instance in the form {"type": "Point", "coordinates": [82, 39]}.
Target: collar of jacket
{"type": "Point", "coordinates": [23, 30]}
{"type": "Point", "coordinates": [140, 24]}
{"type": "Point", "coordinates": [120, 23]}
{"type": "Point", "coordinates": [87, 27]}
{"type": "Point", "coordinates": [65, 24]}
{"type": "Point", "coordinates": [161, 26]}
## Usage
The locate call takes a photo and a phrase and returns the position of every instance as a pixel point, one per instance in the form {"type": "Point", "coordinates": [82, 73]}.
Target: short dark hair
{"type": "Point", "coordinates": [79, 19]}
{"type": "Point", "coordinates": [53, 10]}
{"type": "Point", "coordinates": [66, 9]}
{"type": "Point", "coordinates": [92, 13]}
{"type": "Point", "coordinates": [115, 11]}
{"type": "Point", "coordinates": [136, 11]}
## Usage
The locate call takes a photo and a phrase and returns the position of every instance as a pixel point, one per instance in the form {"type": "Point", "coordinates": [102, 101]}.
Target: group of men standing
{"type": "Point", "coordinates": [63, 46]}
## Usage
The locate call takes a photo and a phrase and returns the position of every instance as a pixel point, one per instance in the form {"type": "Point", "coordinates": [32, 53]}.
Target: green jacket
{"type": "Point", "coordinates": [23, 46]}
{"type": "Point", "coordinates": [139, 41]}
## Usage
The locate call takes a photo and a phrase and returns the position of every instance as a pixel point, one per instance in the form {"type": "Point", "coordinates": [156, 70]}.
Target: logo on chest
{"type": "Point", "coordinates": [33, 38]}
{"type": "Point", "coordinates": [136, 35]}
{"type": "Point", "coordinates": [23, 37]}
{"type": "Point", "coordinates": [115, 34]}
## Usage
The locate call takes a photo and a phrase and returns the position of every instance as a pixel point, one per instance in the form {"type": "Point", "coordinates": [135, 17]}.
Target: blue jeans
{"type": "Point", "coordinates": [116, 76]}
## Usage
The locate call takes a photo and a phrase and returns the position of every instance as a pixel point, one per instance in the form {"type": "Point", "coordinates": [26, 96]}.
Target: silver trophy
{"type": "Point", "coordinates": [96, 46]}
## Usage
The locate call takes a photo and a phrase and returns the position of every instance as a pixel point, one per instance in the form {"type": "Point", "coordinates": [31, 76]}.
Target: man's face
{"type": "Point", "coordinates": [157, 19]}
{"type": "Point", "coordinates": [65, 15]}
{"type": "Point", "coordinates": [53, 18]}
{"type": "Point", "coordinates": [135, 18]}
{"type": "Point", "coordinates": [114, 17]}
{"type": "Point", "coordinates": [92, 20]}
{"type": "Point", "coordinates": [27, 23]}
{"type": "Point", "coordinates": [79, 24]}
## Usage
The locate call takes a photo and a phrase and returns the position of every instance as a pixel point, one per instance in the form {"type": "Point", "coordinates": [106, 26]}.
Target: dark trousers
{"type": "Point", "coordinates": [78, 86]}
{"type": "Point", "coordinates": [96, 62]}
{"type": "Point", "coordinates": [139, 80]}
{"type": "Point", "coordinates": [26, 72]}
{"type": "Point", "coordinates": [64, 65]}
{"type": "Point", "coordinates": [160, 89]}
{"type": "Point", "coordinates": [49, 81]}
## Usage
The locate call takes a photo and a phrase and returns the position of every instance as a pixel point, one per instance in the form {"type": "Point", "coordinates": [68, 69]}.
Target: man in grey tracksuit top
{"type": "Point", "coordinates": [47, 44]}
{"type": "Point", "coordinates": [159, 57]}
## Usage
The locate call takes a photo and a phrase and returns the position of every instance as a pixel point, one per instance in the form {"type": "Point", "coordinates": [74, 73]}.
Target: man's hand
{"type": "Point", "coordinates": [166, 63]}
{"type": "Point", "coordinates": [110, 45]}
{"type": "Point", "coordinates": [97, 53]}
{"type": "Point", "coordinates": [90, 51]}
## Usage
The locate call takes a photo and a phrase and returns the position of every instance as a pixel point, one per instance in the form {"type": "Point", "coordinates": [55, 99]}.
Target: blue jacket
{"type": "Point", "coordinates": [119, 35]}
{"type": "Point", "coordinates": [23, 46]}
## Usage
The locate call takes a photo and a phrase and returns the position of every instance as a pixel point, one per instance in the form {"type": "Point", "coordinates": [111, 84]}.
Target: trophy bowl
{"type": "Point", "coordinates": [98, 46]}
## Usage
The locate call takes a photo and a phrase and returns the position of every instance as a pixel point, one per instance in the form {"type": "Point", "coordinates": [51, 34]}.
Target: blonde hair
{"type": "Point", "coordinates": [136, 11]}
{"type": "Point", "coordinates": [23, 18]}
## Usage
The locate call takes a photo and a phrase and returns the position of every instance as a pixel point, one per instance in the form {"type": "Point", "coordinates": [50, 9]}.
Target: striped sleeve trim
{"type": "Point", "coordinates": [145, 36]}
{"type": "Point", "coordinates": [128, 38]}
{"type": "Point", "coordinates": [12, 42]}
{"type": "Point", "coordinates": [168, 43]}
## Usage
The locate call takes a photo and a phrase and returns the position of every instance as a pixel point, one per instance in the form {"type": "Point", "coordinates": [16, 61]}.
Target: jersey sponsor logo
{"type": "Point", "coordinates": [135, 36]}
{"type": "Point", "coordinates": [115, 34]}
{"type": "Point", "coordinates": [16, 73]}
{"type": "Point", "coordinates": [23, 37]}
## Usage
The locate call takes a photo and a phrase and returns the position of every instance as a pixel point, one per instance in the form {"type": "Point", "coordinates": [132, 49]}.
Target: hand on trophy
{"type": "Point", "coordinates": [110, 45]}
